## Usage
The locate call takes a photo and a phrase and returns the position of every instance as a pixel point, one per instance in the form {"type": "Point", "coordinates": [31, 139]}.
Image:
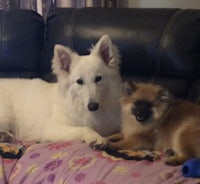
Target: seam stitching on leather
{"type": "Point", "coordinates": [70, 31]}
{"type": "Point", "coordinates": [1, 37]}
{"type": "Point", "coordinates": [162, 40]}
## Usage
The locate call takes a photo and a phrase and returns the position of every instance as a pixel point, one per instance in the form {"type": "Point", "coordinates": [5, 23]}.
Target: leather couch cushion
{"type": "Point", "coordinates": [156, 45]}
{"type": "Point", "coordinates": [22, 39]}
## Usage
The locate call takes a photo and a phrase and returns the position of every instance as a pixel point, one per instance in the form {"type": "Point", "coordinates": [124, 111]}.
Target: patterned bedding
{"type": "Point", "coordinates": [75, 162]}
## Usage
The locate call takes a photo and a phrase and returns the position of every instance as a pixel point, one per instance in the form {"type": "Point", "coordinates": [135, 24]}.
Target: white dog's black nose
{"type": "Point", "coordinates": [93, 106]}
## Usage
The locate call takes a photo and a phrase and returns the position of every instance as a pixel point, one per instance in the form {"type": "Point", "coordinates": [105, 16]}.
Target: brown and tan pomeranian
{"type": "Point", "coordinates": [152, 119]}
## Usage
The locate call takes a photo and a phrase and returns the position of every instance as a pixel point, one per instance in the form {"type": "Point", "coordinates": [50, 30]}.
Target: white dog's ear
{"type": "Point", "coordinates": [63, 56]}
{"type": "Point", "coordinates": [104, 49]}
{"type": "Point", "coordinates": [62, 60]}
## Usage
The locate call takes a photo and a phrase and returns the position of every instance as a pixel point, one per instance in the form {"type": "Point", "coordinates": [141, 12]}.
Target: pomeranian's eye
{"type": "Point", "coordinates": [97, 79]}
{"type": "Point", "coordinates": [80, 81]}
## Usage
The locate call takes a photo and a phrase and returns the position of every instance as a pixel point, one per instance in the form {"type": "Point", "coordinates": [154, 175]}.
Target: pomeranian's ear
{"type": "Point", "coordinates": [129, 87]}
{"type": "Point", "coordinates": [165, 96]}
{"type": "Point", "coordinates": [62, 60]}
{"type": "Point", "coordinates": [104, 49]}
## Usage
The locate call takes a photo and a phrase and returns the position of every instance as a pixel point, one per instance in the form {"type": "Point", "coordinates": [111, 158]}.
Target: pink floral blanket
{"type": "Point", "coordinates": [75, 162]}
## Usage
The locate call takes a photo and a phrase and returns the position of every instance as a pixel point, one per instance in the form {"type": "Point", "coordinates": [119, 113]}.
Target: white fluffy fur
{"type": "Point", "coordinates": [41, 111]}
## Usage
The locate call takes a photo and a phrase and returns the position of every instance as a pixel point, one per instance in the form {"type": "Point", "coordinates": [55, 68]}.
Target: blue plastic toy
{"type": "Point", "coordinates": [191, 168]}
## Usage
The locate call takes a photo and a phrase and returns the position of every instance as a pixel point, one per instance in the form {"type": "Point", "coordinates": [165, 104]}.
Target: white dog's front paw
{"type": "Point", "coordinates": [94, 139]}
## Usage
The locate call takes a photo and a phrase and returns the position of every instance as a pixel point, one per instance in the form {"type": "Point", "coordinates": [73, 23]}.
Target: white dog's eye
{"type": "Point", "coordinates": [80, 82]}
{"type": "Point", "coordinates": [97, 79]}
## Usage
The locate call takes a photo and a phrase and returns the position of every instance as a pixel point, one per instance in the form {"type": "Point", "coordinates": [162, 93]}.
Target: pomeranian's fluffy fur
{"type": "Point", "coordinates": [152, 119]}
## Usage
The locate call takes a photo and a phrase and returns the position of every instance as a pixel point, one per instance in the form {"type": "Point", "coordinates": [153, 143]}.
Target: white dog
{"type": "Point", "coordinates": [82, 105]}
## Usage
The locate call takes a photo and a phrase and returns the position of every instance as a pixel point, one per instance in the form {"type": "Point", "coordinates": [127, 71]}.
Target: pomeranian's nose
{"type": "Point", "coordinates": [142, 110]}
{"type": "Point", "coordinates": [93, 106]}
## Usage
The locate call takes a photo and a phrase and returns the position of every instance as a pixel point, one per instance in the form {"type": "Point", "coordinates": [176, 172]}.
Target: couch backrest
{"type": "Point", "coordinates": [156, 45]}
{"type": "Point", "coordinates": [161, 45]}
{"type": "Point", "coordinates": [21, 43]}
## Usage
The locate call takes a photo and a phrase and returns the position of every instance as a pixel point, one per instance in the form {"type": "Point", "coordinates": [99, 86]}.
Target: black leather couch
{"type": "Point", "coordinates": [156, 45]}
